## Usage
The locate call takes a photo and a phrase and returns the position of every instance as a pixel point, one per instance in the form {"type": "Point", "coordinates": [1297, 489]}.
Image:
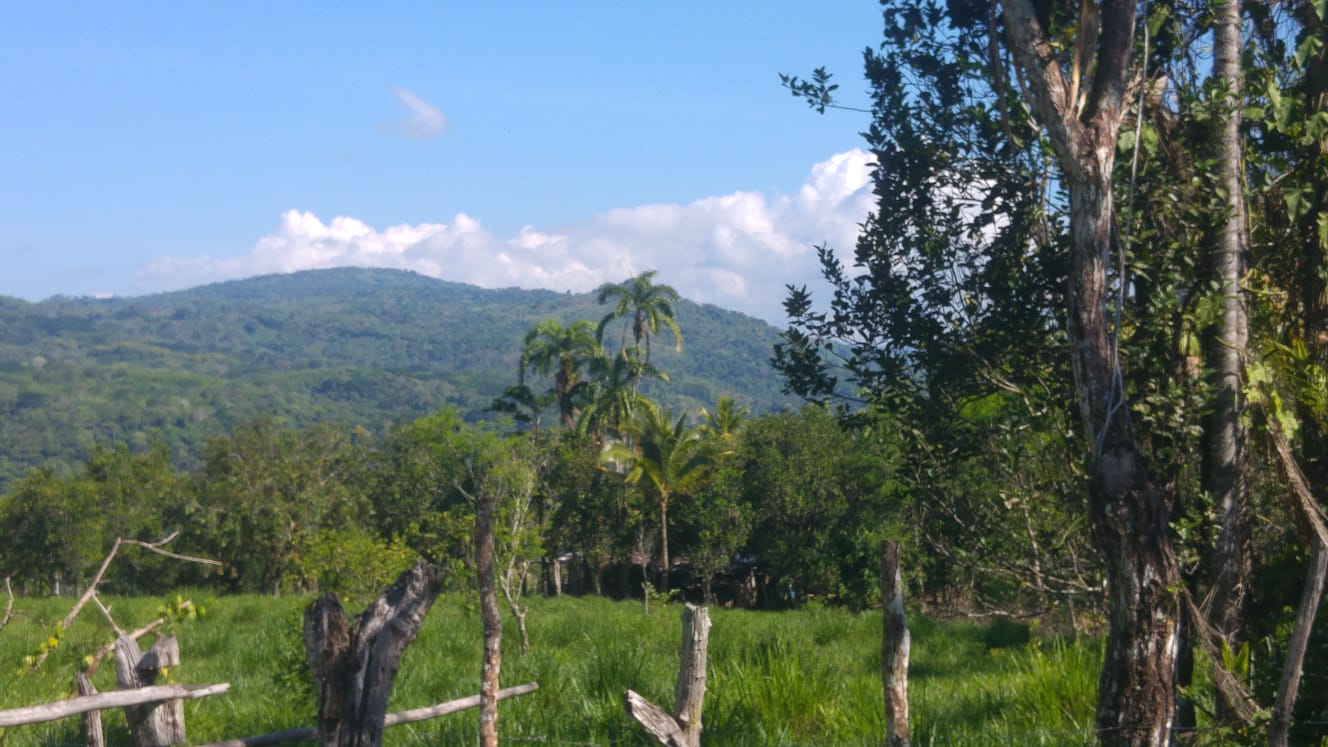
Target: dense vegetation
{"type": "Point", "coordinates": [1076, 363]}
{"type": "Point", "coordinates": [355, 347]}
{"type": "Point", "coordinates": [1092, 296]}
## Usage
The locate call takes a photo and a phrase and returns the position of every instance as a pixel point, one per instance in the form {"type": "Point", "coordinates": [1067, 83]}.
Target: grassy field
{"type": "Point", "coordinates": [810, 677]}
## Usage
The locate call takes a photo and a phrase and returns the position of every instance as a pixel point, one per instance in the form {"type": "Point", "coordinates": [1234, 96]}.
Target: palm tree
{"type": "Point", "coordinates": [724, 423]}
{"type": "Point", "coordinates": [613, 399]}
{"type": "Point", "coordinates": [523, 404]}
{"type": "Point", "coordinates": [665, 458]}
{"type": "Point", "coordinates": [650, 306]}
{"type": "Point", "coordinates": [563, 353]}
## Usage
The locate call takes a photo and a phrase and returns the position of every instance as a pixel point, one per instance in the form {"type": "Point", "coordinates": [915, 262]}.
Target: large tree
{"type": "Point", "coordinates": [1073, 66]}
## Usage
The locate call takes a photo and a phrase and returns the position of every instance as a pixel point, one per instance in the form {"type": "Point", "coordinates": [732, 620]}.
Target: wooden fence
{"type": "Point", "coordinates": [354, 665]}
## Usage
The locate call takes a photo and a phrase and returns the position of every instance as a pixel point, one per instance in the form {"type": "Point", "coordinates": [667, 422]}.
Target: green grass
{"type": "Point", "coordinates": [788, 678]}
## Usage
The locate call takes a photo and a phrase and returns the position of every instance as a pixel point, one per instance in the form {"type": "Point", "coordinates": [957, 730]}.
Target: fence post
{"type": "Point", "coordinates": [683, 728]}
{"type": "Point", "coordinates": [92, 719]}
{"type": "Point", "coordinates": [155, 724]}
{"type": "Point", "coordinates": [894, 648]}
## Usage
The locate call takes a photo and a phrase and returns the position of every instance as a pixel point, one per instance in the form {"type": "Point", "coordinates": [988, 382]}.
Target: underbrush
{"type": "Point", "coordinates": [810, 677]}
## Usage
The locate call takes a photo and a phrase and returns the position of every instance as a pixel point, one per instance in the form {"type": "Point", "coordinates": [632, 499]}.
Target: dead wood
{"type": "Point", "coordinates": [683, 727]}
{"type": "Point", "coordinates": [92, 732]}
{"type": "Point", "coordinates": [310, 733]}
{"type": "Point", "coordinates": [155, 724]}
{"type": "Point", "coordinates": [118, 699]}
{"type": "Point", "coordinates": [894, 648]}
{"type": "Point", "coordinates": [355, 666]}
{"type": "Point", "coordinates": [91, 591]}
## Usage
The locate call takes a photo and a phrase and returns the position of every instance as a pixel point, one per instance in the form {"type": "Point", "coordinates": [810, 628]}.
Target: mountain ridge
{"type": "Point", "coordinates": [358, 347]}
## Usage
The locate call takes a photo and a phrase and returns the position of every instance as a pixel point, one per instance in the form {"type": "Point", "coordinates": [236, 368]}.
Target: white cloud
{"type": "Point", "coordinates": [737, 250]}
{"type": "Point", "coordinates": [424, 120]}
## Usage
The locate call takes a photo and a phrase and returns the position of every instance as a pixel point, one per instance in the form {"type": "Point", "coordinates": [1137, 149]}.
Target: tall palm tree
{"type": "Point", "coordinates": [650, 307]}
{"type": "Point", "coordinates": [665, 458]}
{"type": "Point", "coordinates": [564, 353]}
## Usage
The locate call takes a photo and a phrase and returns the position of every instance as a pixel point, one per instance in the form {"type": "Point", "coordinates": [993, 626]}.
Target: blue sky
{"type": "Point", "coordinates": [155, 146]}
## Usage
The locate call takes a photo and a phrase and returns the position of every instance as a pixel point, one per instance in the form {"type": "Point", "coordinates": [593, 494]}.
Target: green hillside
{"type": "Point", "coordinates": [350, 346]}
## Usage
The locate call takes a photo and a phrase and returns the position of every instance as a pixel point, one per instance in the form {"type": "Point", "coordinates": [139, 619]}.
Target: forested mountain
{"type": "Point", "coordinates": [349, 346]}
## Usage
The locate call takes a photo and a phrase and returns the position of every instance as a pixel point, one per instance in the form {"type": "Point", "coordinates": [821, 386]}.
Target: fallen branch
{"type": "Point", "coordinates": [96, 580]}
{"type": "Point", "coordinates": [309, 733]}
{"type": "Point", "coordinates": [117, 699]}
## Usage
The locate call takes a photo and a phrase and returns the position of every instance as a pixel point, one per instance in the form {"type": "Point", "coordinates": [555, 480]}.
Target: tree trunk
{"type": "Point", "coordinates": [492, 620]}
{"type": "Point", "coordinates": [1224, 473]}
{"type": "Point", "coordinates": [355, 666]}
{"type": "Point", "coordinates": [894, 648]}
{"type": "Point", "coordinates": [1127, 511]}
{"type": "Point", "coordinates": [664, 540]}
{"type": "Point", "coordinates": [1289, 686]}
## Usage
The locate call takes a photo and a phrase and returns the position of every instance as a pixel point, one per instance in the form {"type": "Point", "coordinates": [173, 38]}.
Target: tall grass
{"type": "Point", "coordinates": [789, 678]}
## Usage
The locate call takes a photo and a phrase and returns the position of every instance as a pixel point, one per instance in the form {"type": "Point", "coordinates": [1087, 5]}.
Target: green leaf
{"type": "Point", "coordinates": [1308, 46]}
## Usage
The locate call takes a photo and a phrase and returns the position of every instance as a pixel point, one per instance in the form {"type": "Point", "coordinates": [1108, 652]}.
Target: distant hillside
{"type": "Point", "coordinates": [356, 347]}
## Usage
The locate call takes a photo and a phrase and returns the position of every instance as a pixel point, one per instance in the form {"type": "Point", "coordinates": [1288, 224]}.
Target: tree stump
{"type": "Point", "coordinates": [355, 666]}
{"type": "Point", "coordinates": [683, 727]}
{"type": "Point", "coordinates": [155, 724]}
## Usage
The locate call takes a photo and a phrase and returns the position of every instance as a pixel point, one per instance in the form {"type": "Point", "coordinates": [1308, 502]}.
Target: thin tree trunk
{"type": "Point", "coordinates": [493, 626]}
{"type": "Point", "coordinates": [1289, 686]}
{"type": "Point", "coordinates": [1224, 472]}
{"type": "Point", "coordinates": [664, 540]}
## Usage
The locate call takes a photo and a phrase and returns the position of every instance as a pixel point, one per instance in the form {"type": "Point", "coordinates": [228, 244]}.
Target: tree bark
{"type": "Point", "coordinates": [1224, 442]}
{"type": "Point", "coordinates": [1127, 511]}
{"type": "Point", "coordinates": [355, 666]}
{"type": "Point", "coordinates": [491, 618]}
{"type": "Point", "coordinates": [894, 648]}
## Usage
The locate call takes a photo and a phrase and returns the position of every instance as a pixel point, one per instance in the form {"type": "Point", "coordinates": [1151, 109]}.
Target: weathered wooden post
{"type": "Point", "coordinates": [894, 648]}
{"type": "Point", "coordinates": [683, 728]}
{"type": "Point", "coordinates": [92, 732]}
{"type": "Point", "coordinates": [154, 724]}
{"type": "Point", "coordinates": [355, 666]}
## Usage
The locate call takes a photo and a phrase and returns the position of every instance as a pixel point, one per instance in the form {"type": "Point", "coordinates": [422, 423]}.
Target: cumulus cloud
{"type": "Point", "coordinates": [423, 121]}
{"type": "Point", "coordinates": [737, 250]}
